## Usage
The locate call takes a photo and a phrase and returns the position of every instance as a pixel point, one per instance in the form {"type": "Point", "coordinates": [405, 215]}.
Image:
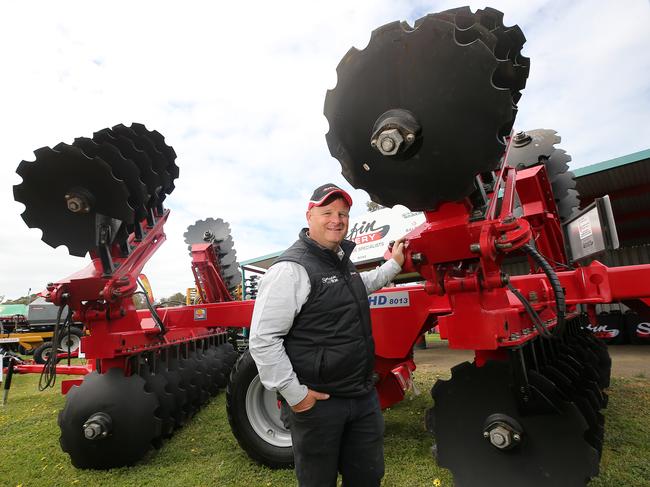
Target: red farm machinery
{"type": "Point", "coordinates": [421, 117]}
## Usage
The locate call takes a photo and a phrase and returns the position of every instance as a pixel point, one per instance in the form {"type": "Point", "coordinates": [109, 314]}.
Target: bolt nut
{"type": "Point", "coordinates": [410, 138]}
{"type": "Point", "coordinates": [77, 204]}
{"type": "Point", "coordinates": [500, 437]}
{"type": "Point", "coordinates": [389, 142]}
{"type": "Point", "coordinates": [521, 139]}
{"type": "Point", "coordinates": [92, 431]}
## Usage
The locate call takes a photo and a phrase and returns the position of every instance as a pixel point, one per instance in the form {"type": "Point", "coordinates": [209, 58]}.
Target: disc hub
{"type": "Point", "coordinates": [502, 431]}
{"type": "Point", "coordinates": [98, 426]}
{"type": "Point", "coordinates": [521, 139]}
{"type": "Point", "coordinates": [389, 141]}
{"type": "Point", "coordinates": [77, 202]}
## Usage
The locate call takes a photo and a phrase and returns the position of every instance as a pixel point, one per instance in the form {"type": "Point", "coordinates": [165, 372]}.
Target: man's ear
{"type": "Point", "coordinates": [308, 215]}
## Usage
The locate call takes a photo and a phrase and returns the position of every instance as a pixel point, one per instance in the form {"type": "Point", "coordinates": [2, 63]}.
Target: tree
{"type": "Point", "coordinates": [177, 299]}
{"type": "Point", "coordinates": [372, 206]}
{"type": "Point", "coordinates": [22, 300]}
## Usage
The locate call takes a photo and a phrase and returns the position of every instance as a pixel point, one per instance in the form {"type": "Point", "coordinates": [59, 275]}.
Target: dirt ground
{"type": "Point", "coordinates": [627, 360]}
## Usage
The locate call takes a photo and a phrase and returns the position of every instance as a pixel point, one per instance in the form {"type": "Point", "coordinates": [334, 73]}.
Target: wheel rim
{"type": "Point", "coordinates": [73, 341]}
{"type": "Point", "coordinates": [263, 413]}
{"type": "Point", "coordinates": [45, 354]}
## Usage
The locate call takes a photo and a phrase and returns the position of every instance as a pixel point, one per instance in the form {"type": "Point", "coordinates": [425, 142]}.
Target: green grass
{"type": "Point", "coordinates": [204, 453]}
{"type": "Point", "coordinates": [432, 337]}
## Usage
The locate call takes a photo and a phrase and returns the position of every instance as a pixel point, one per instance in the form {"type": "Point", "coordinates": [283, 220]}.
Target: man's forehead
{"type": "Point", "coordinates": [336, 204]}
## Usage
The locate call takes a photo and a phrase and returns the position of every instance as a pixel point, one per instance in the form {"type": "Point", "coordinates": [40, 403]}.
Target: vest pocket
{"type": "Point", "coordinates": [343, 361]}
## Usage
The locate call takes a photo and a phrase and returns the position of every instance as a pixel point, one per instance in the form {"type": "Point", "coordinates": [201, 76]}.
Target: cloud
{"type": "Point", "coordinates": [238, 91]}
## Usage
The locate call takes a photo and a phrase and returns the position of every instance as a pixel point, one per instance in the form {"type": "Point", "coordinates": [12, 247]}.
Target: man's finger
{"type": "Point", "coordinates": [321, 396]}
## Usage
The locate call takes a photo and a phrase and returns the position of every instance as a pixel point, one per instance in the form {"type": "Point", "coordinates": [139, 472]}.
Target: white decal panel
{"type": "Point", "coordinates": [389, 300]}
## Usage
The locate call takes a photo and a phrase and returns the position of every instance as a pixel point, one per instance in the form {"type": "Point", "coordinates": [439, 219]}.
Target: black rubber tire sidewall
{"type": "Point", "coordinates": [259, 450]}
{"type": "Point", "coordinates": [38, 352]}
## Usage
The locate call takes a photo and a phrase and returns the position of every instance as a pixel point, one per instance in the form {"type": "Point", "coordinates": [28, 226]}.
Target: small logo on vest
{"type": "Point", "coordinates": [330, 279]}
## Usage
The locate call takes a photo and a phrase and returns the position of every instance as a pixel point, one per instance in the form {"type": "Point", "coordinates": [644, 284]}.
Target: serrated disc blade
{"type": "Point", "coordinates": [441, 71]}
{"type": "Point", "coordinates": [233, 281]}
{"type": "Point", "coordinates": [538, 146]}
{"type": "Point", "coordinates": [65, 171]}
{"type": "Point", "coordinates": [126, 147]}
{"type": "Point", "coordinates": [226, 246]}
{"type": "Point", "coordinates": [228, 259]}
{"type": "Point", "coordinates": [159, 141]}
{"type": "Point", "coordinates": [473, 394]}
{"type": "Point", "coordinates": [133, 422]}
{"type": "Point", "coordinates": [158, 160]}
{"type": "Point", "coordinates": [122, 168]}
{"type": "Point", "coordinates": [195, 233]}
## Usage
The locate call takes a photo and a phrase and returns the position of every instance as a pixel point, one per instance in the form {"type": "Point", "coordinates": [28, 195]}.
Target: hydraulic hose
{"type": "Point", "coordinates": [556, 285]}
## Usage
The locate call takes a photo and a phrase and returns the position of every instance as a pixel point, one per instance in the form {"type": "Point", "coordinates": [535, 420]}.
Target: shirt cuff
{"type": "Point", "coordinates": [294, 392]}
{"type": "Point", "coordinates": [394, 267]}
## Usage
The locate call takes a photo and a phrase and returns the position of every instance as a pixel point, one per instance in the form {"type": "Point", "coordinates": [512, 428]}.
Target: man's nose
{"type": "Point", "coordinates": [336, 219]}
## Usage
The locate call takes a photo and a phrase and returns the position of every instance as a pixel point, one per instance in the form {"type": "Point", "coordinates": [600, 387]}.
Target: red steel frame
{"type": "Point", "coordinates": [459, 259]}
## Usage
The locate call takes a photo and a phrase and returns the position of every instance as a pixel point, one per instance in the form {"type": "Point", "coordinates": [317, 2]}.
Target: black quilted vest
{"type": "Point", "coordinates": [330, 344]}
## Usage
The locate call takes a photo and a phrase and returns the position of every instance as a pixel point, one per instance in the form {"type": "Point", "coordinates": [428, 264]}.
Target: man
{"type": "Point", "coordinates": [312, 342]}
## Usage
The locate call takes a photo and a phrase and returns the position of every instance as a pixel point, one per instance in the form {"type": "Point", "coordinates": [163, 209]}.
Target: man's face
{"type": "Point", "coordinates": [328, 224]}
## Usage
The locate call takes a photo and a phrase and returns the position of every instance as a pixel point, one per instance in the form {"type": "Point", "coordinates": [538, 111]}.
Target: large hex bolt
{"type": "Point", "coordinates": [98, 426]}
{"type": "Point", "coordinates": [521, 139]}
{"type": "Point", "coordinates": [500, 437]}
{"type": "Point", "coordinates": [77, 203]}
{"type": "Point", "coordinates": [388, 142]}
{"type": "Point", "coordinates": [502, 431]}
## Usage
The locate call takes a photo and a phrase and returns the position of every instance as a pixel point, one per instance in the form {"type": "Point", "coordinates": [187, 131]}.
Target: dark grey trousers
{"type": "Point", "coordinates": [343, 435]}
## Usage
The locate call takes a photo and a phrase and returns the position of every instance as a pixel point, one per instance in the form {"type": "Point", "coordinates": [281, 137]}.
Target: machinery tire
{"type": "Point", "coordinates": [252, 411]}
{"type": "Point", "coordinates": [75, 339]}
{"type": "Point", "coordinates": [42, 352]}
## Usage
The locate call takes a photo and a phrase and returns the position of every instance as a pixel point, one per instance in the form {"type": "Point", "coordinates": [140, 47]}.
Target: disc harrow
{"type": "Point", "coordinates": [113, 419]}
{"type": "Point", "coordinates": [422, 110]}
{"type": "Point", "coordinates": [70, 189]}
{"type": "Point", "coordinates": [422, 117]}
{"type": "Point", "coordinates": [217, 232]}
{"type": "Point", "coordinates": [146, 374]}
{"type": "Point", "coordinates": [538, 147]}
{"type": "Point", "coordinates": [552, 427]}
{"type": "Point", "coordinates": [64, 191]}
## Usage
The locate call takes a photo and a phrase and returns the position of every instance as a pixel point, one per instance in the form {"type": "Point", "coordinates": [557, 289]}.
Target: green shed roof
{"type": "Point", "coordinates": [13, 309]}
{"type": "Point", "coordinates": [616, 162]}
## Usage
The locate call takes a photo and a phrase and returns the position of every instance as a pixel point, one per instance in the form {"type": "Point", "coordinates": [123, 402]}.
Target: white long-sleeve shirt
{"type": "Point", "coordinates": [283, 290]}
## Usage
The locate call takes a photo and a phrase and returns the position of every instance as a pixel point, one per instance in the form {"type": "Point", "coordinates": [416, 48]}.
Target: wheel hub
{"type": "Point", "coordinates": [263, 412]}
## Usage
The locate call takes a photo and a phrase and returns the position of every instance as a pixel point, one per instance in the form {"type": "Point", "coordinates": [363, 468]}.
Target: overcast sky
{"type": "Point", "coordinates": [237, 88]}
